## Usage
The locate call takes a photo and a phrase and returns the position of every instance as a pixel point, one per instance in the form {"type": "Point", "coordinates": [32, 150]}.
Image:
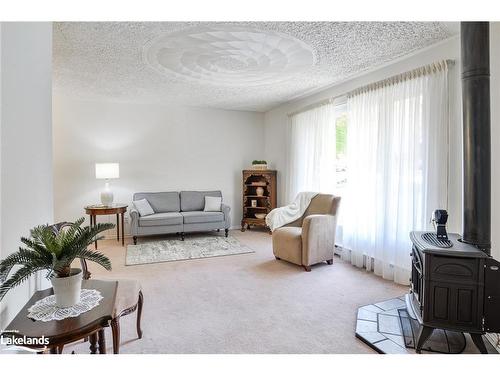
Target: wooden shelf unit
{"type": "Point", "coordinates": [265, 203]}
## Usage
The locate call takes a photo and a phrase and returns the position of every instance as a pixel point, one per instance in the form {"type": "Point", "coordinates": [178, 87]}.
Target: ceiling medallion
{"type": "Point", "coordinates": [229, 55]}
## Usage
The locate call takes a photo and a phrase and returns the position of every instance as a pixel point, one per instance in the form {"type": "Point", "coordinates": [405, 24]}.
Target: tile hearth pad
{"type": "Point", "coordinates": [387, 328]}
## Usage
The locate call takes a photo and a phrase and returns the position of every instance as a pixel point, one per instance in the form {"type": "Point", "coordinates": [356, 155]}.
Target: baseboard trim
{"type": "Point", "coordinates": [127, 235]}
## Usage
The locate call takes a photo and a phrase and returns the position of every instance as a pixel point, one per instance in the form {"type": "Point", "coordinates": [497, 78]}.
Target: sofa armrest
{"type": "Point", "coordinates": [227, 218]}
{"type": "Point", "coordinates": [134, 220]}
{"type": "Point", "coordinates": [318, 238]}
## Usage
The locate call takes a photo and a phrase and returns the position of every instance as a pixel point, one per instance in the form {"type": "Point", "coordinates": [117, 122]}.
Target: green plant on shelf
{"type": "Point", "coordinates": [259, 162]}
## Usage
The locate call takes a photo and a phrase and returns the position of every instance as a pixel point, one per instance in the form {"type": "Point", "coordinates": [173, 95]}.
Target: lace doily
{"type": "Point", "coordinates": [46, 310]}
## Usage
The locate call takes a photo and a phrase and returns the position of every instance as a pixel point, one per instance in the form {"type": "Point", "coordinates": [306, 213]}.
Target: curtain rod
{"type": "Point", "coordinates": [411, 74]}
{"type": "Point", "coordinates": [316, 105]}
{"type": "Point", "coordinates": [423, 70]}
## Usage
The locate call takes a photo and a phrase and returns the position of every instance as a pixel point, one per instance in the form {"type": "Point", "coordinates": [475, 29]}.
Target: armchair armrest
{"type": "Point", "coordinates": [318, 238]}
{"type": "Point", "coordinates": [227, 219]}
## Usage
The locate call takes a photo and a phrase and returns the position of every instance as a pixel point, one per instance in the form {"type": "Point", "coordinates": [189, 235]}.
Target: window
{"type": "Point", "coordinates": [317, 150]}
{"type": "Point", "coordinates": [398, 168]}
{"type": "Point", "coordinates": [341, 149]}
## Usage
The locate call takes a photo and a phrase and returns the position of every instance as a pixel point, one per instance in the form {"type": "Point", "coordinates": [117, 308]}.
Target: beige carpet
{"type": "Point", "coordinates": [248, 303]}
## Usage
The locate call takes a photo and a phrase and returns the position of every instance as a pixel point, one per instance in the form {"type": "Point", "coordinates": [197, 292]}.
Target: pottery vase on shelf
{"type": "Point", "coordinates": [260, 191]}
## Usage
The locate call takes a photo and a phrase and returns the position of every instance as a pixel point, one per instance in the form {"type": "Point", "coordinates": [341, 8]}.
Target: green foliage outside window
{"type": "Point", "coordinates": [341, 136]}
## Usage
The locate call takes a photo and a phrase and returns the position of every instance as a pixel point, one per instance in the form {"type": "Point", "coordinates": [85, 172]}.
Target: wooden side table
{"type": "Point", "coordinates": [90, 324]}
{"type": "Point", "coordinates": [117, 209]}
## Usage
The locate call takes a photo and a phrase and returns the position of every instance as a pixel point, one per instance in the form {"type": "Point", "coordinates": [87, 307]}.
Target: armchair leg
{"type": "Point", "coordinates": [226, 232]}
{"type": "Point", "coordinates": [329, 261]}
{"type": "Point", "coordinates": [182, 236]}
{"type": "Point", "coordinates": [135, 240]}
{"type": "Point", "coordinates": [307, 268]}
{"type": "Point", "coordinates": [278, 258]}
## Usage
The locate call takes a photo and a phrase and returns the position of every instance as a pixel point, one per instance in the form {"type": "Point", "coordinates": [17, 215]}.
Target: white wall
{"type": "Point", "coordinates": [159, 148]}
{"type": "Point", "coordinates": [26, 143]}
{"type": "Point", "coordinates": [124, 133]}
{"type": "Point", "coordinates": [276, 120]}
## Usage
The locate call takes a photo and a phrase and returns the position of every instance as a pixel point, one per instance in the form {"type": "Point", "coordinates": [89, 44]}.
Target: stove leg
{"type": "Point", "coordinates": [477, 339]}
{"type": "Point", "coordinates": [425, 333]}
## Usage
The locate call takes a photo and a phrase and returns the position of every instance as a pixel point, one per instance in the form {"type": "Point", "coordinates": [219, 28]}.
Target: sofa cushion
{"type": "Point", "coordinates": [195, 200]}
{"type": "Point", "coordinates": [212, 204]}
{"type": "Point", "coordinates": [162, 218]}
{"type": "Point", "coordinates": [143, 206]}
{"type": "Point", "coordinates": [196, 217]}
{"type": "Point", "coordinates": [161, 202]}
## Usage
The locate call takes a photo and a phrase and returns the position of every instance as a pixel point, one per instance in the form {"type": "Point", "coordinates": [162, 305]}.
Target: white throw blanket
{"type": "Point", "coordinates": [283, 215]}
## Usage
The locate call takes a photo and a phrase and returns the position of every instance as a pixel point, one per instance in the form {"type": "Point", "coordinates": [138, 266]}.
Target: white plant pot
{"type": "Point", "coordinates": [259, 167]}
{"type": "Point", "coordinates": [67, 289]}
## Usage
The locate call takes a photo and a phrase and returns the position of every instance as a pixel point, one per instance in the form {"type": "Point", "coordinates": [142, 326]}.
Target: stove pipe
{"type": "Point", "coordinates": [475, 51]}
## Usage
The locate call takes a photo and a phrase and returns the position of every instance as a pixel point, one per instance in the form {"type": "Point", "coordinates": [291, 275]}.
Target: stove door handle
{"type": "Point", "coordinates": [417, 263]}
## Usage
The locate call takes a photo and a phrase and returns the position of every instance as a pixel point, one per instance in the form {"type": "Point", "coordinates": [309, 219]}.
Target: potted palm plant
{"type": "Point", "coordinates": [259, 164]}
{"type": "Point", "coordinates": [54, 249]}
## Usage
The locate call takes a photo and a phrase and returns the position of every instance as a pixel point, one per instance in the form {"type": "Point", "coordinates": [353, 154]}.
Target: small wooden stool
{"type": "Point", "coordinates": [128, 299]}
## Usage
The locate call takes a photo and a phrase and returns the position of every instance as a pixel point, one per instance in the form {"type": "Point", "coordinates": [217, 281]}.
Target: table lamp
{"type": "Point", "coordinates": [107, 171]}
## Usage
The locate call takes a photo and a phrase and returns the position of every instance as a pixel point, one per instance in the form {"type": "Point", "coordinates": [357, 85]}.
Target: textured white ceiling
{"type": "Point", "coordinates": [238, 65]}
{"type": "Point", "coordinates": [226, 55]}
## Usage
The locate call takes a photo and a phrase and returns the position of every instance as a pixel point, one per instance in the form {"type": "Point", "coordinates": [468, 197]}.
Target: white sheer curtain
{"type": "Point", "coordinates": [397, 169]}
{"type": "Point", "coordinates": [311, 152]}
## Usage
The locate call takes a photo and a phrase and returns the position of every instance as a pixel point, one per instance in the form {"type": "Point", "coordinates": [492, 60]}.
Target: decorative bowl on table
{"type": "Point", "coordinates": [260, 216]}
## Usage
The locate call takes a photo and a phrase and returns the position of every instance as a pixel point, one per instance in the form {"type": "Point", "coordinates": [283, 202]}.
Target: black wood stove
{"type": "Point", "coordinates": [455, 284]}
{"type": "Point", "coordinates": [455, 288]}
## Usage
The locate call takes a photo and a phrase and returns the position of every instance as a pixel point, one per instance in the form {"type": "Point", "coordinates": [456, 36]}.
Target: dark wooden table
{"type": "Point", "coordinates": [117, 209]}
{"type": "Point", "coordinates": [61, 332]}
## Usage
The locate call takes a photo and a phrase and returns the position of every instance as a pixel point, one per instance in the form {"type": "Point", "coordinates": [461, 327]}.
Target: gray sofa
{"type": "Point", "coordinates": [178, 212]}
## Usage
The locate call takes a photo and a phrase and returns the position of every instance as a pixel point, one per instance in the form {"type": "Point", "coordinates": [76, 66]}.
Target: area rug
{"type": "Point", "coordinates": [191, 248]}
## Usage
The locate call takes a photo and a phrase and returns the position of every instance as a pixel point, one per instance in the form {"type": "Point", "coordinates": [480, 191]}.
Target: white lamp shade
{"type": "Point", "coordinates": [107, 170]}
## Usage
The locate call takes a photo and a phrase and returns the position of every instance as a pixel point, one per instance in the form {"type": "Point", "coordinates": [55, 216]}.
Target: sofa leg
{"type": "Point", "coordinates": [329, 261]}
{"type": "Point", "coordinates": [307, 268]}
{"type": "Point", "coordinates": [278, 258]}
{"type": "Point", "coordinates": [182, 236]}
{"type": "Point", "coordinates": [135, 240]}
{"type": "Point", "coordinates": [218, 230]}
{"type": "Point", "coordinates": [226, 232]}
